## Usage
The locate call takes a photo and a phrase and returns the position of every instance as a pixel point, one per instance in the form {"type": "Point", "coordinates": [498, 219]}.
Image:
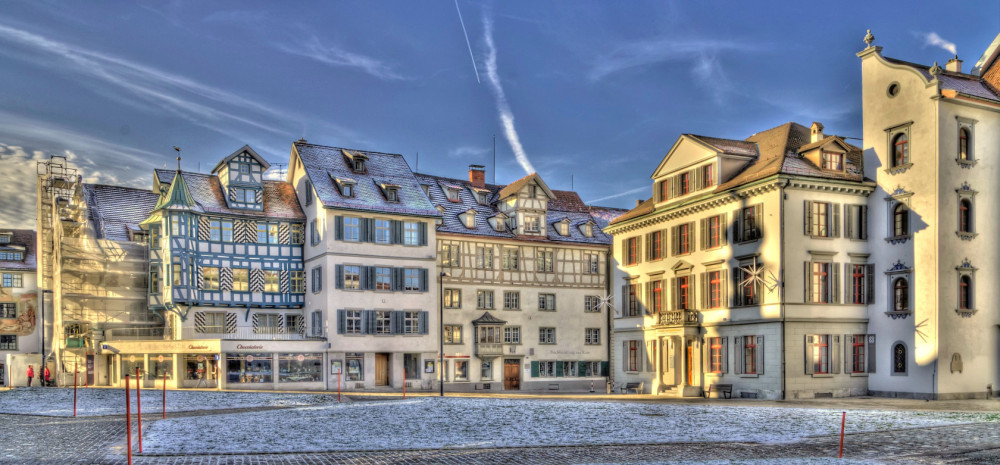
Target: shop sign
{"type": "Point", "coordinates": [300, 358]}
{"type": "Point", "coordinates": [336, 367]}
{"type": "Point", "coordinates": [159, 359]}
{"type": "Point", "coordinates": [251, 347]}
{"type": "Point", "coordinates": [131, 358]}
{"type": "Point", "coordinates": [201, 358]}
{"type": "Point", "coordinates": [249, 358]}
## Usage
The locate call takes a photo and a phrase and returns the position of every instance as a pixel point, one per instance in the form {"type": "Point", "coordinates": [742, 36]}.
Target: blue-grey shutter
{"type": "Point", "coordinates": [363, 281]}
{"type": "Point", "coordinates": [397, 279]}
{"type": "Point", "coordinates": [341, 321]}
{"type": "Point", "coordinates": [423, 280]}
{"type": "Point", "coordinates": [423, 233]}
{"type": "Point", "coordinates": [422, 323]}
{"type": "Point", "coordinates": [870, 368]}
{"type": "Point", "coordinates": [338, 228]}
{"type": "Point", "coordinates": [368, 322]}
{"type": "Point", "coordinates": [760, 355]}
{"type": "Point", "coordinates": [396, 318]}
{"type": "Point", "coordinates": [396, 232]}
{"type": "Point", "coordinates": [339, 275]}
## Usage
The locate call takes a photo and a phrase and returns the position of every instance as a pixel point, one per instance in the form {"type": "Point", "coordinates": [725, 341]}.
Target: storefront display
{"type": "Point", "coordinates": [300, 368]}
{"type": "Point", "coordinates": [355, 367]}
{"type": "Point", "coordinates": [159, 365]}
{"type": "Point", "coordinates": [199, 367]}
{"type": "Point", "coordinates": [130, 362]}
{"type": "Point", "coordinates": [248, 368]}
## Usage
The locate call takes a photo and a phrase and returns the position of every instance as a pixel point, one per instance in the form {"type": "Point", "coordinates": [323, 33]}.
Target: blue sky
{"type": "Point", "coordinates": [596, 91]}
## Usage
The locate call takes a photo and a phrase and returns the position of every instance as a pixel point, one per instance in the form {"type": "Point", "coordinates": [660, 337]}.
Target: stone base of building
{"type": "Point", "coordinates": [827, 393]}
{"type": "Point", "coordinates": [554, 386]}
{"type": "Point", "coordinates": [932, 396]}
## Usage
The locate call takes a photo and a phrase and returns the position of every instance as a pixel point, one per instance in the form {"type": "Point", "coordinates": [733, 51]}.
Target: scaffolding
{"type": "Point", "coordinates": [97, 287]}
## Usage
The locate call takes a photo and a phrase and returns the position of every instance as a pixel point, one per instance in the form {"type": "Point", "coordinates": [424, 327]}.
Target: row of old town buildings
{"type": "Point", "coordinates": [790, 264]}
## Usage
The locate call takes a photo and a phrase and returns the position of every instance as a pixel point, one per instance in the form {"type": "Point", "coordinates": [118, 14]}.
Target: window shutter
{"type": "Point", "coordinates": [363, 281]}
{"type": "Point", "coordinates": [735, 228]}
{"type": "Point", "coordinates": [760, 355]}
{"type": "Point", "coordinates": [534, 369]}
{"type": "Point", "coordinates": [581, 369]}
{"type": "Point", "coordinates": [738, 354]}
{"type": "Point", "coordinates": [723, 231]}
{"type": "Point", "coordinates": [692, 292]}
{"type": "Point", "coordinates": [422, 323]}
{"type": "Point", "coordinates": [624, 255]}
{"type": "Point", "coordinates": [870, 283]}
{"type": "Point", "coordinates": [835, 354]}
{"type": "Point", "coordinates": [848, 355]}
{"type": "Point", "coordinates": [870, 366]}
{"type": "Point", "coordinates": [703, 237]}
{"type": "Point", "coordinates": [673, 240]}
{"type": "Point", "coordinates": [725, 354]}
{"type": "Point", "coordinates": [317, 322]}
{"type": "Point", "coordinates": [395, 232]}
{"type": "Point", "coordinates": [703, 277]}
{"type": "Point", "coordinates": [365, 327]}
{"type": "Point", "coordinates": [673, 292]}
{"type": "Point", "coordinates": [422, 233]}
{"type": "Point", "coordinates": [642, 299]}
{"type": "Point", "coordinates": [864, 222]}
{"type": "Point", "coordinates": [649, 249]}
{"type": "Point", "coordinates": [423, 280]}
{"type": "Point", "coordinates": [807, 281]}
{"type": "Point", "coordinates": [650, 352]}
{"type": "Point", "coordinates": [807, 355]}
{"type": "Point", "coordinates": [624, 301]}
{"type": "Point", "coordinates": [625, 366]}
{"type": "Point", "coordinates": [647, 298]}
{"type": "Point", "coordinates": [604, 369]}
{"type": "Point", "coordinates": [834, 211]}
{"type": "Point", "coordinates": [835, 288]}
{"type": "Point", "coordinates": [758, 214]}
{"type": "Point", "coordinates": [638, 248]}
{"type": "Point", "coordinates": [396, 322]}
{"type": "Point", "coordinates": [559, 369]}
{"type": "Point", "coordinates": [396, 279]}
{"type": "Point", "coordinates": [341, 321]}
{"type": "Point", "coordinates": [665, 243]}
{"type": "Point", "coordinates": [339, 283]}
{"type": "Point", "coordinates": [807, 215]}
{"type": "Point", "coordinates": [338, 228]}
{"type": "Point", "coordinates": [671, 191]}
{"type": "Point", "coordinates": [849, 216]}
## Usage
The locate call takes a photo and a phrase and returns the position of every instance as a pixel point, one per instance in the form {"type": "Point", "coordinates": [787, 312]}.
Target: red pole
{"type": "Point", "coordinates": [74, 389]}
{"type": "Point", "coordinates": [138, 405]}
{"type": "Point", "coordinates": [843, 421]}
{"type": "Point", "coordinates": [338, 386]}
{"type": "Point", "coordinates": [164, 395]}
{"type": "Point", "coordinates": [128, 419]}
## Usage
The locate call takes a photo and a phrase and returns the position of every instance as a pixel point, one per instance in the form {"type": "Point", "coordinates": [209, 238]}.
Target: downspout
{"type": "Point", "coordinates": [781, 274]}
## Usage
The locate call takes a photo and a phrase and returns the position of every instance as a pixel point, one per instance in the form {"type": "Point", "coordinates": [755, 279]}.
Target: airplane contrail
{"type": "Point", "coordinates": [503, 106]}
{"type": "Point", "coordinates": [467, 44]}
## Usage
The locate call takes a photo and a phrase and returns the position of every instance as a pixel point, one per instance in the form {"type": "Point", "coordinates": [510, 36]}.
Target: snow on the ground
{"type": "Point", "coordinates": [433, 422]}
{"type": "Point", "coordinates": [59, 401]}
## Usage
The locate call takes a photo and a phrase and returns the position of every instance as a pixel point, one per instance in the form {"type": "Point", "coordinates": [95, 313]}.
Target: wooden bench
{"type": "Point", "coordinates": [637, 387]}
{"type": "Point", "coordinates": [720, 389]}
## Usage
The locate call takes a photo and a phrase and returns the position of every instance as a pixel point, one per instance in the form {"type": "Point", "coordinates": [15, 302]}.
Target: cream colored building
{"type": "Point", "coordinates": [524, 268]}
{"type": "Point", "coordinates": [931, 140]}
{"type": "Point", "coordinates": [748, 267]}
{"type": "Point", "coordinates": [19, 316]}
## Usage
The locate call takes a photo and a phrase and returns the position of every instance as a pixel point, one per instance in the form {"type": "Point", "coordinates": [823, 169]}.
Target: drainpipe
{"type": "Point", "coordinates": [781, 274]}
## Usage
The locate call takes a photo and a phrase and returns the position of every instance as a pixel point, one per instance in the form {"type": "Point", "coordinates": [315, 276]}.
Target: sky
{"type": "Point", "coordinates": [589, 94]}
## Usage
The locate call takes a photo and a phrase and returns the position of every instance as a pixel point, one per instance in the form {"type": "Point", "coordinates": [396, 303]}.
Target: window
{"type": "Point", "coordinates": [592, 304]}
{"type": "Point", "coordinates": [899, 359]}
{"type": "Point", "coordinates": [684, 183]}
{"type": "Point", "coordinates": [749, 355]}
{"type": "Point", "coordinates": [547, 302]}
{"type": "Point", "coordinates": [8, 342]}
{"type": "Point", "coordinates": [175, 273]}
{"type": "Point", "coordinates": [411, 366]}
{"type": "Point", "coordinates": [682, 239]}
{"type": "Point", "coordinates": [17, 280]}
{"type": "Point", "coordinates": [861, 276]}
{"type": "Point", "coordinates": [5, 238]}
{"type": "Point", "coordinates": [633, 301]}
{"type": "Point", "coordinates": [347, 189]}
{"type": "Point", "coordinates": [592, 336]}
{"type": "Point", "coordinates": [632, 251]}
{"type": "Point", "coordinates": [546, 369]}
{"type": "Point", "coordinates": [963, 144]}
{"type": "Point", "coordinates": [215, 230]}
{"type": "Point", "coordinates": [411, 279]}
{"type": "Point", "coordinates": [510, 259]}
{"type": "Point", "coordinates": [317, 279]}
{"type": "Point", "coordinates": [450, 255]}
{"type": "Point", "coordinates": [546, 335]}
{"type": "Point", "coordinates": [309, 193]}
{"type": "Point", "coordinates": [715, 355]}
{"type": "Point", "coordinates": [352, 321]}
{"type": "Point", "coordinates": [707, 176]}
{"type": "Point", "coordinates": [511, 300]}
{"type": "Point", "coordinates": [411, 233]}
{"type": "Point", "coordinates": [632, 355]}
{"type": "Point", "coordinates": [591, 263]}
{"type": "Point", "coordinates": [352, 277]}
{"type": "Point", "coordinates": [545, 261]}
{"type": "Point", "coordinates": [210, 278]}
{"type": "Point", "coordinates": [858, 357]}
{"type": "Point", "coordinates": [833, 161]}
{"type": "Point", "coordinates": [175, 224]}
{"type": "Point", "coordinates": [352, 229]}
{"type": "Point", "coordinates": [965, 216]}
{"type": "Point", "coordinates": [749, 228]}
{"type": "Point", "coordinates": [656, 294]}
{"type": "Point", "coordinates": [382, 235]}
{"type": "Point", "coordinates": [154, 282]}
{"type": "Point", "coordinates": [900, 295]}
{"type": "Point", "coordinates": [215, 323]}
{"type": "Point", "coordinates": [266, 323]}
{"type": "Point", "coordinates": [383, 322]}
{"type": "Point", "coordinates": [715, 289]}
{"type": "Point", "coordinates": [15, 256]}
{"type": "Point", "coordinates": [821, 354]}
{"type": "Point", "coordinates": [486, 370]}
{"type": "Point", "coordinates": [8, 310]}
{"type": "Point", "coordinates": [821, 280]}
{"type": "Point", "coordinates": [452, 194]}
{"type": "Point", "coordinates": [262, 233]}
{"type": "Point", "coordinates": [297, 281]}
{"type": "Point", "coordinates": [411, 322]}
{"type": "Point", "coordinates": [452, 298]}
{"type": "Point", "coordinates": [355, 366]}
{"type": "Point", "coordinates": [900, 220]}
{"type": "Point", "coordinates": [484, 257]}
{"type": "Point", "coordinates": [295, 233]}
{"type": "Point", "coordinates": [965, 292]}
{"type": "Point", "coordinates": [271, 281]}
{"type": "Point", "coordinates": [532, 191]}
{"type": "Point", "coordinates": [531, 224]}
{"type": "Point", "coordinates": [313, 232]}
{"type": "Point", "coordinates": [683, 291]}
{"type": "Point", "coordinates": [359, 165]}
{"type": "Point", "coordinates": [452, 334]}
{"type": "Point", "coordinates": [664, 190]}
{"type": "Point", "coordinates": [484, 299]}
{"type": "Point", "coordinates": [383, 278]}
{"type": "Point", "coordinates": [512, 335]}
{"type": "Point", "coordinates": [391, 194]}
{"type": "Point", "coordinates": [900, 150]}
{"type": "Point", "coordinates": [820, 219]}
{"type": "Point", "coordinates": [714, 232]}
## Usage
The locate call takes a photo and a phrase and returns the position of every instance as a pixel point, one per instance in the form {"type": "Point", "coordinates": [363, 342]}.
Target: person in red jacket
{"type": "Point", "coordinates": [31, 374]}
{"type": "Point", "coordinates": [46, 377]}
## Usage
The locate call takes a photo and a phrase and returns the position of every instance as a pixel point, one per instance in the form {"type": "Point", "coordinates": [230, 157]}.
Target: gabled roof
{"type": "Point", "coordinates": [114, 210]}
{"type": "Point", "coordinates": [246, 148]}
{"type": "Point", "coordinates": [728, 146]}
{"type": "Point", "coordinates": [488, 319]}
{"type": "Point", "coordinates": [322, 162]}
{"type": "Point", "coordinates": [516, 186]}
{"type": "Point", "coordinates": [21, 240]}
{"type": "Point", "coordinates": [280, 200]}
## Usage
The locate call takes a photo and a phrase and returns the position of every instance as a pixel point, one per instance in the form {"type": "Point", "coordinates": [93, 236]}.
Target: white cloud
{"type": "Point", "coordinates": [503, 107]}
{"type": "Point", "coordinates": [659, 50]}
{"type": "Point", "coordinates": [620, 194]}
{"type": "Point", "coordinates": [934, 40]}
{"type": "Point", "coordinates": [468, 151]}
{"type": "Point", "coordinates": [313, 48]}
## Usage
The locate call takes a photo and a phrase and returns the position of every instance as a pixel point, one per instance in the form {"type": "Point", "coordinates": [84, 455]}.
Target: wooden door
{"type": "Point", "coordinates": [381, 369]}
{"type": "Point", "coordinates": [512, 375]}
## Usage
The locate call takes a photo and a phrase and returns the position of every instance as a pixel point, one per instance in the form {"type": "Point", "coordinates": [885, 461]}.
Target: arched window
{"type": "Point", "coordinates": [900, 295]}
{"type": "Point", "coordinates": [963, 144]}
{"type": "Point", "coordinates": [965, 292]}
{"type": "Point", "coordinates": [965, 216]}
{"type": "Point", "coordinates": [900, 220]}
{"type": "Point", "coordinates": [900, 150]}
{"type": "Point", "coordinates": [899, 359]}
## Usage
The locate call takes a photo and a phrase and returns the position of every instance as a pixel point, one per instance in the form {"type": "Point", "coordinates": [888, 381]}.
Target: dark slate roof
{"type": "Point", "coordinates": [605, 215]}
{"type": "Point", "coordinates": [963, 83]}
{"type": "Point", "coordinates": [114, 210]}
{"type": "Point", "coordinates": [22, 240]}
{"type": "Point", "coordinates": [280, 201]}
{"type": "Point", "coordinates": [730, 146]}
{"type": "Point", "coordinates": [488, 319]}
{"type": "Point", "coordinates": [566, 206]}
{"type": "Point", "coordinates": [322, 162]}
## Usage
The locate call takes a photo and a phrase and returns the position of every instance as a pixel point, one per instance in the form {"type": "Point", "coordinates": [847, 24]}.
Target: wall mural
{"type": "Point", "coordinates": [24, 324]}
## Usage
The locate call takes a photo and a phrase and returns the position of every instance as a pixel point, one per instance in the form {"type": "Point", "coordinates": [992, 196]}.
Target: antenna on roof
{"type": "Point", "coordinates": [570, 182]}
{"type": "Point", "coordinates": [281, 169]}
{"type": "Point", "coordinates": [494, 158]}
{"type": "Point", "coordinates": [178, 150]}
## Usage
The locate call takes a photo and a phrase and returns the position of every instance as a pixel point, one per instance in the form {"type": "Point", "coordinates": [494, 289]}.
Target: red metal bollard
{"type": "Point", "coordinates": [164, 395]}
{"type": "Point", "coordinates": [338, 386]}
{"type": "Point", "coordinates": [843, 421]}
{"type": "Point", "coordinates": [128, 419]}
{"type": "Point", "coordinates": [74, 389]}
{"type": "Point", "coordinates": [138, 405]}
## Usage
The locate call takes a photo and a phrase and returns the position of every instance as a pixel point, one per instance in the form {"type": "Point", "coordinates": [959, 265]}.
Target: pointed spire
{"type": "Point", "coordinates": [179, 196]}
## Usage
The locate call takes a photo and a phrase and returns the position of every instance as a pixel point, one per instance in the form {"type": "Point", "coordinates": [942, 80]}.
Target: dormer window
{"type": "Point", "coordinates": [427, 190]}
{"type": "Point", "coordinates": [481, 197]}
{"type": "Point", "coordinates": [469, 219]}
{"type": "Point", "coordinates": [347, 189]}
{"type": "Point", "coordinates": [531, 224]}
{"type": "Point", "coordinates": [564, 228]}
{"type": "Point", "coordinates": [355, 160]}
{"type": "Point", "coordinates": [440, 210]}
{"type": "Point", "coordinates": [587, 229]}
{"type": "Point", "coordinates": [833, 161]}
{"type": "Point", "coordinates": [359, 165]}
{"type": "Point", "coordinates": [5, 238]}
{"type": "Point", "coordinates": [392, 194]}
{"type": "Point", "coordinates": [452, 194]}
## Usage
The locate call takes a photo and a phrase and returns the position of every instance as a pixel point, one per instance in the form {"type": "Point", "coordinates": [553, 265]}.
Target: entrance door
{"type": "Point", "coordinates": [512, 374]}
{"type": "Point", "coordinates": [381, 369]}
{"type": "Point", "coordinates": [90, 369]}
{"type": "Point", "coordinates": [690, 367]}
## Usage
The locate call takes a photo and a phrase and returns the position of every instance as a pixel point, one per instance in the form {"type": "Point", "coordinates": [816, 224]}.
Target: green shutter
{"type": "Point", "coordinates": [559, 369]}
{"type": "Point", "coordinates": [604, 368]}
{"type": "Point", "coordinates": [534, 369]}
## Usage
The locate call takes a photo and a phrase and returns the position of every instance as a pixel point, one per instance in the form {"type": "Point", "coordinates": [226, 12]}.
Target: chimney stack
{"type": "Point", "coordinates": [954, 64]}
{"type": "Point", "coordinates": [638, 202]}
{"type": "Point", "coordinates": [477, 175]}
{"type": "Point", "coordinates": [816, 132]}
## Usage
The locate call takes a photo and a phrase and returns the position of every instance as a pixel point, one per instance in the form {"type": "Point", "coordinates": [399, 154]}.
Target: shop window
{"type": "Point", "coordinates": [411, 366]}
{"type": "Point", "coordinates": [461, 370]}
{"type": "Point", "coordinates": [199, 367]}
{"type": "Point", "coordinates": [160, 365]}
{"type": "Point", "coordinates": [300, 368]}
{"type": "Point", "coordinates": [355, 367]}
{"type": "Point", "coordinates": [486, 371]}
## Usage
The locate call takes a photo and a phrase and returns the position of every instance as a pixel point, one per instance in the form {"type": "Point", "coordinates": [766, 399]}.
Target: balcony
{"type": "Point", "coordinates": [488, 350]}
{"type": "Point", "coordinates": [134, 334]}
{"type": "Point", "coordinates": [678, 318]}
{"type": "Point", "coordinates": [261, 333]}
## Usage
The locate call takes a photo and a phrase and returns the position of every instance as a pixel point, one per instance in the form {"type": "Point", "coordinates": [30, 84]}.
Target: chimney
{"type": "Point", "coordinates": [477, 175]}
{"type": "Point", "coordinates": [954, 64]}
{"type": "Point", "coordinates": [816, 131]}
{"type": "Point", "coordinates": [638, 202]}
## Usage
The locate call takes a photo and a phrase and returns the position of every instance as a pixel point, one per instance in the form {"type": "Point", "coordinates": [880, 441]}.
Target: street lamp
{"type": "Point", "coordinates": [441, 328]}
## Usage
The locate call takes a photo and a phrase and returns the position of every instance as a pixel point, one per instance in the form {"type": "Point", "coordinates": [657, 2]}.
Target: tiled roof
{"type": "Point", "coordinates": [566, 205]}
{"type": "Point", "coordinates": [488, 319]}
{"type": "Point", "coordinates": [321, 162]}
{"type": "Point", "coordinates": [731, 146]}
{"type": "Point", "coordinates": [778, 149]}
{"type": "Point", "coordinates": [246, 148]}
{"type": "Point", "coordinates": [114, 210]}
{"type": "Point", "coordinates": [960, 82]}
{"type": "Point", "coordinates": [514, 187]}
{"type": "Point", "coordinates": [280, 200]}
{"type": "Point", "coordinates": [178, 197]}
{"type": "Point", "coordinates": [21, 240]}
{"type": "Point", "coordinates": [605, 215]}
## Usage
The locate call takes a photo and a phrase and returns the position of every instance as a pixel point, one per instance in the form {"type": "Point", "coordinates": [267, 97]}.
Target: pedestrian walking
{"type": "Point", "coordinates": [47, 377]}
{"type": "Point", "coordinates": [31, 374]}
